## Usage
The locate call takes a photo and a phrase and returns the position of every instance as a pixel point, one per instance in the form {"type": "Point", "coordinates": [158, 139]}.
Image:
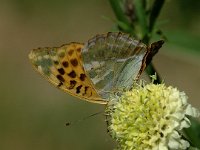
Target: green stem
{"type": "Point", "coordinates": [157, 6]}
{"type": "Point", "coordinates": [119, 13]}
{"type": "Point", "coordinates": [121, 17]}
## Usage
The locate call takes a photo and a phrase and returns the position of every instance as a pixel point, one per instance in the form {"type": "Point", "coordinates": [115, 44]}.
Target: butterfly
{"type": "Point", "coordinates": [91, 71]}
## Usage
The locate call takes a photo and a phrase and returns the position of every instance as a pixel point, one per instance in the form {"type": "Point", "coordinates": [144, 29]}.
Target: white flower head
{"type": "Point", "coordinates": [150, 117]}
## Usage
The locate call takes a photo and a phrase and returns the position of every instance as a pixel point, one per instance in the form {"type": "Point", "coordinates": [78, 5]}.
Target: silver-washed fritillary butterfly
{"type": "Point", "coordinates": [106, 63]}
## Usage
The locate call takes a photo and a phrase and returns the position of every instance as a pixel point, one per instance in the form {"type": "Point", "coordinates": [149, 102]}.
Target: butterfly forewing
{"type": "Point", "coordinates": [63, 67]}
{"type": "Point", "coordinates": [113, 64]}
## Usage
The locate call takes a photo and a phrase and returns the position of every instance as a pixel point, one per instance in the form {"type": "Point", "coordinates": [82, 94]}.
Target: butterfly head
{"type": "Point", "coordinates": [154, 47]}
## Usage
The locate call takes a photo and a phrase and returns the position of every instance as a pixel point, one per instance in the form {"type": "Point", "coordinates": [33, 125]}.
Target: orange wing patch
{"type": "Point", "coordinates": [63, 67]}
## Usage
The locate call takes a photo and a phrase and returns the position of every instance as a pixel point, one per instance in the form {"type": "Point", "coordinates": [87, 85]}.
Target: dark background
{"type": "Point", "coordinates": [33, 113]}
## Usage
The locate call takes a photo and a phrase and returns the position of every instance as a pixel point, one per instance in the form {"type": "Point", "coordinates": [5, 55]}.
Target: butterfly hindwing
{"type": "Point", "coordinates": [113, 61]}
{"type": "Point", "coordinates": [63, 67]}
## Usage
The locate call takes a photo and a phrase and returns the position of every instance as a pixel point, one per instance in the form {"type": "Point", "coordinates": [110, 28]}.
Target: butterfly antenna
{"type": "Point", "coordinates": [82, 119]}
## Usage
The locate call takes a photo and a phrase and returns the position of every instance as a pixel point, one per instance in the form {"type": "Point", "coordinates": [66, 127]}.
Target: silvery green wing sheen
{"type": "Point", "coordinates": [113, 61]}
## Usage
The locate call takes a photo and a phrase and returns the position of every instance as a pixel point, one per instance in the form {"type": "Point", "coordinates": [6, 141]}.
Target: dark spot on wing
{"type": "Point", "coordinates": [60, 78]}
{"type": "Point", "coordinates": [65, 64]}
{"type": "Point", "coordinates": [72, 84]}
{"type": "Point", "coordinates": [61, 71]}
{"type": "Point", "coordinates": [60, 84]}
{"type": "Point", "coordinates": [82, 76]}
{"type": "Point", "coordinates": [56, 62]}
{"type": "Point", "coordinates": [78, 49]}
{"type": "Point", "coordinates": [74, 62]}
{"type": "Point", "coordinates": [86, 88]}
{"type": "Point", "coordinates": [72, 74]}
{"type": "Point", "coordinates": [70, 52]}
{"type": "Point", "coordinates": [78, 89]}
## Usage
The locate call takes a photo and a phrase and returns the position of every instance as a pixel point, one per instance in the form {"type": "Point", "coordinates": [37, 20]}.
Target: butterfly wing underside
{"type": "Point", "coordinates": [113, 61]}
{"type": "Point", "coordinates": [63, 67]}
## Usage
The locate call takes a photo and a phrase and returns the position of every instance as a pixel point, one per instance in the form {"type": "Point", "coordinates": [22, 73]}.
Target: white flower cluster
{"type": "Point", "coordinates": [150, 117]}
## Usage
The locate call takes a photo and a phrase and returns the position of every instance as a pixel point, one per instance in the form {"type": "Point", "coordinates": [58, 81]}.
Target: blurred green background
{"type": "Point", "coordinates": [33, 113]}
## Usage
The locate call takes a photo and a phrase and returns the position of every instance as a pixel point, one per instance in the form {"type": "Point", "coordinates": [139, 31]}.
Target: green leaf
{"type": "Point", "coordinates": [125, 28]}
{"type": "Point", "coordinates": [141, 15]}
{"type": "Point", "coordinates": [193, 132]}
{"type": "Point", "coordinates": [151, 71]}
{"type": "Point", "coordinates": [119, 13]}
